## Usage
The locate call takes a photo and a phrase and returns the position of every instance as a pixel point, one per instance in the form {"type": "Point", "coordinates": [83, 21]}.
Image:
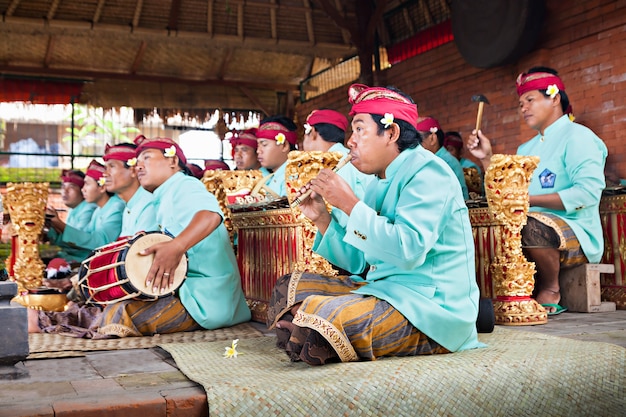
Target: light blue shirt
{"type": "Point", "coordinates": [277, 182]}
{"type": "Point", "coordinates": [455, 165]}
{"type": "Point", "coordinates": [571, 164]}
{"type": "Point", "coordinates": [104, 227]}
{"type": "Point", "coordinates": [139, 214]}
{"type": "Point", "coordinates": [212, 292]}
{"type": "Point", "coordinates": [78, 218]}
{"type": "Point", "coordinates": [417, 241]}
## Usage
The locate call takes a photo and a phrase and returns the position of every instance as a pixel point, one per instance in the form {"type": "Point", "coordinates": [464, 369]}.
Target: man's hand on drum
{"type": "Point", "coordinates": [167, 256]}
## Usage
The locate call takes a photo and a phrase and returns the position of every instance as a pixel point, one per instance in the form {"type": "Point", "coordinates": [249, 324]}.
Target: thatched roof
{"type": "Point", "coordinates": [233, 54]}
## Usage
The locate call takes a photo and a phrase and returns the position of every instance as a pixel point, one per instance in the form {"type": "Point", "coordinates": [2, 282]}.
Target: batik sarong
{"type": "Point", "coordinates": [146, 318]}
{"type": "Point", "coordinates": [332, 324]}
{"type": "Point", "coordinates": [545, 230]}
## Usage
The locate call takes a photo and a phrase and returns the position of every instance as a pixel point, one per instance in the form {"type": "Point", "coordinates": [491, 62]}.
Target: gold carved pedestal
{"type": "Point", "coordinates": [26, 204]}
{"type": "Point", "coordinates": [506, 188]}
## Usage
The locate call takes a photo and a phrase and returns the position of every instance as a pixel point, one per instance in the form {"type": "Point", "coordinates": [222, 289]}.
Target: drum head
{"type": "Point", "coordinates": [137, 266]}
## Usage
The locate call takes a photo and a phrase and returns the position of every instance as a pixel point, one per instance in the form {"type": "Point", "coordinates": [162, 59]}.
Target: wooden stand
{"type": "Point", "coordinates": [580, 288]}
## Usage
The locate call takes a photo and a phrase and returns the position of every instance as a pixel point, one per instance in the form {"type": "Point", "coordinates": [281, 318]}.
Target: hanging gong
{"type": "Point", "coordinates": [490, 33]}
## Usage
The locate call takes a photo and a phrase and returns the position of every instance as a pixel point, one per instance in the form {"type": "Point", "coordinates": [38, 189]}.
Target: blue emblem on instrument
{"type": "Point", "coordinates": [547, 178]}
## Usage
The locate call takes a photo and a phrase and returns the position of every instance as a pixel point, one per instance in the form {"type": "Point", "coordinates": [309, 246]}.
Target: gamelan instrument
{"type": "Point", "coordinates": [116, 272]}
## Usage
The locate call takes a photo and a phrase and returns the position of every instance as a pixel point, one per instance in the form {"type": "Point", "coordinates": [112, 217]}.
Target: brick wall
{"type": "Point", "coordinates": [583, 40]}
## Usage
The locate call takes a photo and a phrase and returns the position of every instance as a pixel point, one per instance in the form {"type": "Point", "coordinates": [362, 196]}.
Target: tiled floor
{"type": "Point", "coordinates": [147, 383]}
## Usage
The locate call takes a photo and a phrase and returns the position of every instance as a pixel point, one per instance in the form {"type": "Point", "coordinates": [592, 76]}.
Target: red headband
{"type": "Point", "coordinates": [453, 140]}
{"type": "Point", "coordinates": [95, 170]}
{"type": "Point", "coordinates": [379, 100]}
{"type": "Point", "coordinates": [216, 164]}
{"type": "Point", "coordinates": [328, 116]}
{"type": "Point", "coordinates": [119, 153]}
{"type": "Point", "coordinates": [426, 124]}
{"type": "Point", "coordinates": [144, 143]}
{"type": "Point", "coordinates": [271, 130]}
{"type": "Point", "coordinates": [247, 137]}
{"type": "Point", "coordinates": [537, 81]}
{"type": "Point", "coordinates": [71, 177]}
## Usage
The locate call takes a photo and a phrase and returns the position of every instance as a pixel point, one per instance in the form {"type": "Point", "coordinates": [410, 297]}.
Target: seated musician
{"type": "Point", "coordinates": [105, 223]}
{"type": "Point", "coordinates": [276, 137]}
{"type": "Point", "coordinates": [453, 142]}
{"type": "Point", "coordinates": [433, 137]}
{"type": "Point", "coordinates": [214, 165]}
{"type": "Point", "coordinates": [121, 178]}
{"type": "Point", "coordinates": [325, 131]}
{"type": "Point", "coordinates": [245, 146]}
{"type": "Point", "coordinates": [419, 295]}
{"type": "Point", "coordinates": [211, 296]}
{"type": "Point", "coordinates": [78, 217]}
{"type": "Point", "coordinates": [563, 227]}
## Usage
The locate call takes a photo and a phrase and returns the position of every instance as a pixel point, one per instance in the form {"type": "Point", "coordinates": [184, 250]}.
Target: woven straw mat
{"type": "Point", "coordinates": [50, 345]}
{"type": "Point", "coordinates": [520, 373]}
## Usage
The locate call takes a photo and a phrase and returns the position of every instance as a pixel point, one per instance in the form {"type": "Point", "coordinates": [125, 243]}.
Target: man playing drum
{"type": "Point", "coordinates": [121, 178]}
{"type": "Point", "coordinates": [211, 296]}
{"type": "Point", "coordinates": [419, 295]}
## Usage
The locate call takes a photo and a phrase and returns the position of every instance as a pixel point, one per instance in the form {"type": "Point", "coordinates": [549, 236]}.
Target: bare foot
{"type": "Point", "coordinates": [548, 297]}
{"type": "Point", "coordinates": [33, 321]}
{"type": "Point", "coordinates": [284, 324]}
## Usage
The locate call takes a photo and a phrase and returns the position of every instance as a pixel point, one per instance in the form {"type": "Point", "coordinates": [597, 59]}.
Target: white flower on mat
{"type": "Point", "coordinates": [231, 351]}
{"type": "Point", "coordinates": [387, 120]}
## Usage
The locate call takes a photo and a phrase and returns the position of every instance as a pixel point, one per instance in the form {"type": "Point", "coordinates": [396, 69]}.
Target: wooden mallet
{"type": "Point", "coordinates": [481, 99]}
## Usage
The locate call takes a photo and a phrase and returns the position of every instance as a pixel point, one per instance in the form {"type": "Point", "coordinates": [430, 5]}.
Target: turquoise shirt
{"type": "Point", "coordinates": [357, 180]}
{"type": "Point", "coordinates": [104, 227]}
{"type": "Point", "coordinates": [139, 214]}
{"type": "Point", "coordinates": [416, 239]}
{"type": "Point", "coordinates": [212, 292]}
{"type": "Point", "coordinates": [277, 182]}
{"type": "Point", "coordinates": [571, 164]}
{"type": "Point", "coordinates": [78, 218]}
{"type": "Point", "coordinates": [455, 165]}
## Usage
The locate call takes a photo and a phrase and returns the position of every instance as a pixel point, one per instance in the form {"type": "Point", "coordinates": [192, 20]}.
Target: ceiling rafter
{"type": "Point", "coordinates": [255, 100]}
{"type": "Point", "coordinates": [273, 21]}
{"type": "Point", "coordinates": [309, 21]}
{"type": "Point", "coordinates": [137, 14]}
{"type": "Point", "coordinates": [209, 18]}
{"type": "Point", "coordinates": [240, 28]}
{"type": "Point", "coordinates": [53, 9]}
{"type": "Point", "coordinates": [12, 7]}
{"type": "Point", "coordinates": [98, 12]}
{"type": "Point", "coordinates": [172, 24]}
{"type": "Point", "coordinates": [138, 57]}
{"type": "Point", "coordinates": [49, 52]}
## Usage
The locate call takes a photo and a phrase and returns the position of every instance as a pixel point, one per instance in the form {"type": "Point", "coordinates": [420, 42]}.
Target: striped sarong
{"type": "Point", "coordinates": [545, 230]}
{"type": "Point", "coordinates": [146, 318]}
{"type": "Point", "coordinates": [332, 324]}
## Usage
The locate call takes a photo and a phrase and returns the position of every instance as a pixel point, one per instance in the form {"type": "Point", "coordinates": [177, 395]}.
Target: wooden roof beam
{"type": "Point", "coordinates": [273, 21]}
{"type": "Point", "coordinates": [137, 14]}
{"type": "Point", "coordinates": [49, 50]}
{"type": "Point", "coordinates": [209, 18]}
{"type": "Point", "coordinates": [240, 32]}
{"type": "Point", "coordinates": [309, 21]}
{"type": "Point", "coordinates": [98, 12]}
{"type": "Point", "coordinates": [94, 75]}
{"type": "Point", "coordinates": [254, 100]}
{"type": "Point", "coordinates": [138, 57]}
{"type": "Point", "coordinates": [53, 9]}
{"type": "Point", "coordinates": [172, 24]}
{"type": "Point", "coordinates": [12, 7]}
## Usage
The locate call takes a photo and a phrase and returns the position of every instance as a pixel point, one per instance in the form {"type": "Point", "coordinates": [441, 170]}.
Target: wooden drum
{"type": "Point", "coordinates": [613, 218]}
